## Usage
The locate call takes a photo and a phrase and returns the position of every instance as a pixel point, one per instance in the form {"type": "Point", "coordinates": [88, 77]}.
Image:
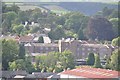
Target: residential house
{"type": "Point", "coordinates": [36, 49]}
{"type": "Point", "coordinates": [80, 49]}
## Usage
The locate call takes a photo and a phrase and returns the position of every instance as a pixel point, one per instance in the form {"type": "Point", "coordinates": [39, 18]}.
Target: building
{"type": "Point", "coordinates": [37, 49]}
{"type": "Point", "coordinates": [89, 73]}
{"type": "Point", "coordinates": [80, 49]}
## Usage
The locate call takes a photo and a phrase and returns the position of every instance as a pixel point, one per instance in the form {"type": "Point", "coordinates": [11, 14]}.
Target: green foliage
{"type": "Point", "coordinates": [54, 62]}
{"type": "Point", "coordinates": [115, 28]}
{"type": "Point", "coordinates": [91, 59]}
{"type": "Point", "coordinates": [19, 29]}
{"type": "Point", "coordinates": [13, 8]}
{"type": "Point", "coordinates": [10, 50]}
{"type": "Point", "coordinates": [18, 64]}
{"type": "Point", "coordinates": [74, 22]}
{"type": "Point", "coordinates": [35, 29]}
{"type": "Point", "coordinates": [21, 51]}
{"type": "Point", "coordinates": [7, 22]}
{"type": "Point", "coordinates": [41, 40]}
{"type": "Point", "coordinates": [114, 61]}
{"type": "Point", "coordinates": [116, 41]}
{"type": "Point", "coordinates": [23, 16]}
{"type": "Point", "coordinates": [21, 64]}
{"type": "Point", "coordinates": [57, 33]}
{"type": "Point", "coordinates": [97, 63]}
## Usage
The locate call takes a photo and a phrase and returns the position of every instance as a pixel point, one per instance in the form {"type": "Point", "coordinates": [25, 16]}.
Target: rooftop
{"type": "Point", "coordinates": [45, 44]}
{"type": "Point", "coordinates": [86, 72]}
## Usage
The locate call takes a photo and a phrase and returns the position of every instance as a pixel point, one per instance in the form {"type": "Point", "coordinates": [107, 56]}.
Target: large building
{"type": "Point", "coordinates": [80, 49]}
{"type": "Point", "coordinates": [89, 73]}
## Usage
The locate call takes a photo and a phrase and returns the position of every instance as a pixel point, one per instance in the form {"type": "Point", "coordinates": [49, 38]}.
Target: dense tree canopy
{"type": "Point", "coordinates": [114, 61]}
{"type": "Point", "coordinates": [99, 28]}
{"type": "Point", "coordinates": [10, 50]}
{"type": "Point", "coordinates": [91, 59]}
{"type": "Point", "coordinates": [116, 41]}
{"type": "Point", "coordinates": [97, 63]}
{"type": "Point", "coordinates": [55, 62]}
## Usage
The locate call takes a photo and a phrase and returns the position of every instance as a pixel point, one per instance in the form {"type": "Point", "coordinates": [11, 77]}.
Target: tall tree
{"type": "Point", "coordinates": [114, 61]}
{"type": "Point", "coordinates": [91, 59]}
{"type": "Point", "coordinates": [21, 51]}
{"type": "Point", "coordinates": [10, 51]}
{"type": "Point", "coordinates": [41, 40]}
{"type": "Point", "coordinates": [99, 28]}
{"type": "Point", "coordinates": [116, 41]}
{"type": "Point", "coordinates": [115, 27]}
{"type": "Point", "coordinates": [97, 63]}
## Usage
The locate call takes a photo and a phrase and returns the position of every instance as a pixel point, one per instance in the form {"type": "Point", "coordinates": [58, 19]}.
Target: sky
{"type": "Point", "coordinates": [60, 0]}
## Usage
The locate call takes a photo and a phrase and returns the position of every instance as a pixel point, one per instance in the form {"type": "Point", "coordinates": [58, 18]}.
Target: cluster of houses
{"type": "Point", "coordinates": [79, 48]}
{"type": "Point", "coordinates": [82, 73]}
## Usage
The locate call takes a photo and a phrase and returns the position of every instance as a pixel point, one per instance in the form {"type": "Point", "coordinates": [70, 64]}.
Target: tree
{"type": "Point", "coordinates": [55, 62]}
{"type": "Point", "coordinates": [115, 28]}
{"type": "Point", "coordinates": [41, 40]}
{"type": "Point", "coordinates": [97, 63]}
{"type": "Point", "coordinates": [9, 17]}
{"type": "Point", "coordinates": [21, 64]}
{"type": "Point", "coordinates": [19, 29]}
{"type": "Point", "coordinates": [74, 21]}
{"type": "Point", "coordinates": [67, 60]}
{"type": "Point", "coordinates": [91, 59]}
{"type": "Point", "coordinates": [15, 8]}
{"type": "Point", "coordinates": [18, 64]}
{"type": "Point", "coordinates": [114, 61]}
{"type": "Point", "coordinates": [10, 51]}
{"type": "Point", "coordinates": [36, 14]}
{"type": "Point", "coordinates": [21, 51]}
{"type": "Point", "coordinates": [23, 16]}
{"type": "Point", "coordinates": [99, 28]}
{"type": "Point", "coordinates": [116, 41]}
{"type": "Point", "coordinates": [107, 12]}
{"type": "Point", "coordinates": [57, 33]}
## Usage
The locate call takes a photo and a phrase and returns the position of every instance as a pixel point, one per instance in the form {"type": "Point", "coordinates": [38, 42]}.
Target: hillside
{"type": "Point", "coordinates": [60, 0]}
{"type": "Point", "coordinates": [88, 8]}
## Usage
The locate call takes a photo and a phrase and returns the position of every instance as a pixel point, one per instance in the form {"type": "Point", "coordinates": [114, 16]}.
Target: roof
{"type": "Point", "coordinates": [9, 74]}
{"type": "Point", "coordinates": [46, 39]}
{"type": "Point", "coordinates": [95, 72]}
{"type": "Point", "coordinates": [95, 45]}
{"type": "Point", "coordinates": [37, 54]}
{"type": "Point", "coordinates": [26, 38]}
{"type": "Point", "coordinates": [45, 44]}
{"type": "Point", "coordinates": [19, 76]}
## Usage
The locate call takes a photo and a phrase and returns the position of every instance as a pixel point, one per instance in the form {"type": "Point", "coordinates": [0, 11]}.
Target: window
{"type": "Point", "coordinates": [77, 49]}
{"type": "Point", "coordinates": [41, 48]}
{"type": "Point", "coordinates": [94, 49]}
{"type": "Point", "coordinates": [52, 48]}
{"type": "Point", "coordinates": [83, 53]}
{"type": "Point", "coordinates": [88, 49]}
{"type": "Point", "coordinates": [46, 48]}
{"type": "Point", "coordinates": [83, 49]}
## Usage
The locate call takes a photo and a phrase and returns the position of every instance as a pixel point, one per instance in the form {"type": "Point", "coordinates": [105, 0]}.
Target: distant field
{"type": "Point", "coordinates": [87, 8]}
{"type": "Point", "coordinates": [56, 9]}
{"type": "Point", "coordinates": [27, 7]}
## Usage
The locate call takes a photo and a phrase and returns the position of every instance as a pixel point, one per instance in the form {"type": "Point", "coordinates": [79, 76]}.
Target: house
{"type": "Point", "coordinates": [89, 73]}
{"type": "Point", "coordinates": [37, 49]}
{"type": "Point", "coordinates": [9, 75]}
{"type": "Point", "coordinates": [80, 49]}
